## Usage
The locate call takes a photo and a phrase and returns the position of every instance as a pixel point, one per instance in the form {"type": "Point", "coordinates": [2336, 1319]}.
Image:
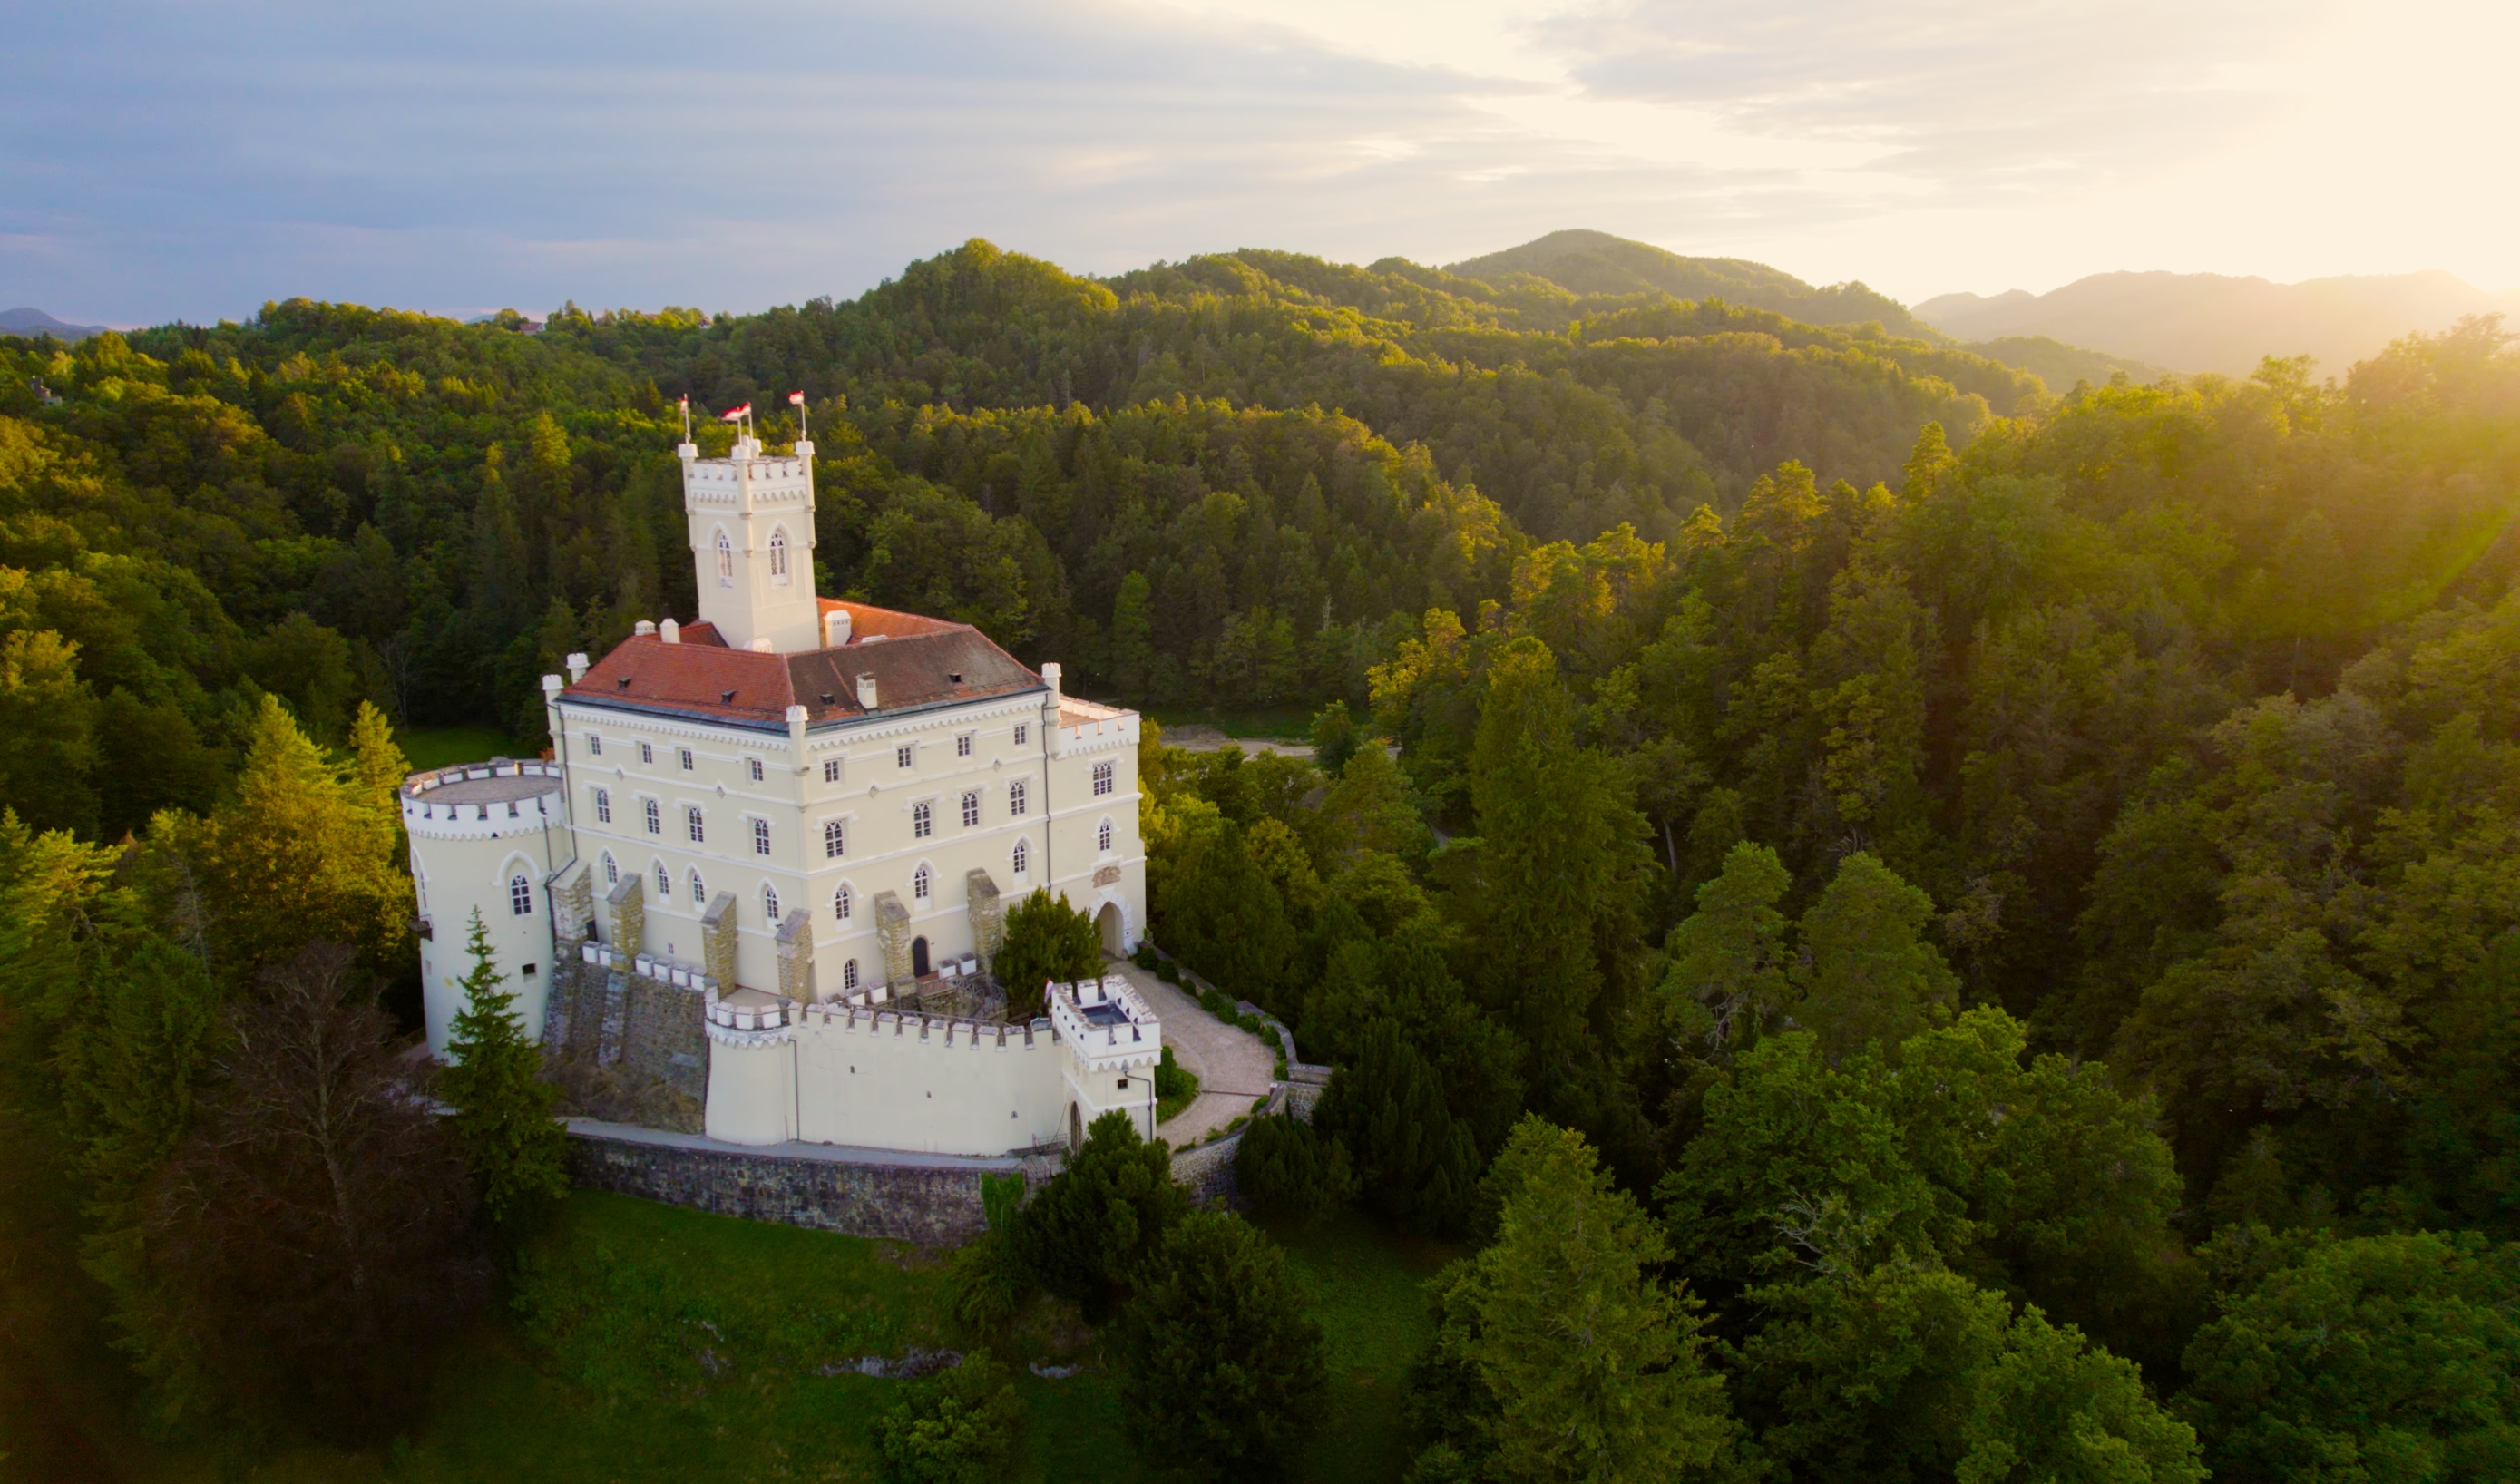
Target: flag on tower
{"type": "Point", "coordinates": [795, 399]}
{"type": "Point", "coordinates": [735, 414]}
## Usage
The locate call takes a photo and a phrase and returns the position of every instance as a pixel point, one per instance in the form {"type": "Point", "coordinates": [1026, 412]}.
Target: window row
{"type": "Point", "coordinates": [695, 822]}
{"type": "Point", "coordinates": [905, 755]}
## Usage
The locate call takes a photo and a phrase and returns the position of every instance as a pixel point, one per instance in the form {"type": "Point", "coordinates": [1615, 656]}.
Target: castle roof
{"type": "Point", "coordinates": [915, 661]}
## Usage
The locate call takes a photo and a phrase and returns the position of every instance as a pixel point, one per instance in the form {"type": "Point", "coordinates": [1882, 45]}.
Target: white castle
{"type": "Point", "coordinates": [800, 811]}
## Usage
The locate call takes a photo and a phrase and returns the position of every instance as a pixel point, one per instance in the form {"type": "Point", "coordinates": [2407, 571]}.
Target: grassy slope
{"type": "Point", "coordinates": [621, 1388]}
{"type": "Point", "coordinates": [442, 746]}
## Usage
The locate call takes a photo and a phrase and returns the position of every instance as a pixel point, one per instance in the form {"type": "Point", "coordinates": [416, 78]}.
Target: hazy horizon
{"type": "Point", "coordinates": [175, 162]}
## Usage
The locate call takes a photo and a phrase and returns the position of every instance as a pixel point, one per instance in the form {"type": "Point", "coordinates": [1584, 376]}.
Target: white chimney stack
{"type": "Point", "coordinates": [576, 668]}
{"type": "Point", "coordinates": [643, 627]}
{"type": "Point", "coordinates": [837, 628]}
{"type": "Point", "coordinates": [865, 691]}
{"type": "Point", "coordinates": [670, 632]}
{"type": "Point", "coordinates": [1050, 676]}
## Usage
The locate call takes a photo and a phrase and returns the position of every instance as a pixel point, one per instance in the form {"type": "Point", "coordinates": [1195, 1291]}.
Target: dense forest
{"type": "Point", "coordinates": [1963, 930]}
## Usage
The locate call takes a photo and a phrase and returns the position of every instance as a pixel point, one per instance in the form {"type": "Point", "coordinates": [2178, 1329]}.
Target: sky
{"type": "Point", "coordinates": [194, 159]}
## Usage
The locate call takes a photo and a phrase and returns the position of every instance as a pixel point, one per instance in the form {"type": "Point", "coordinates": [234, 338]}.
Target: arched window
{"type": "Point", "coordinates": [778, 557]}
{"type": "Point", "coordinates": [691, 824]}
{"type": "Point", "coordinates": [612, 870]}
{"type": "Point", "coordinates": [655, 818]}
{"type": "Point", "coordinates": [700, 888]}
{"type": "Point", "coordinates": [849, 974]}
{"type": "Point", "coordinates": [919, 884]}
{"type": "Point", "coordinates": [835, 839]}
{"type": "Point", "coordinates": [1016, 798]}
{"type": "Point", "coordinates": [972, 809]}
{"type": "Point", "coordinates": [770, 905]}
{"type": "Point", "coordinates": [520, 895]}
{"type": "Point", "coordinates": [725, 560]}
{"type": "Point", "coordinates": [664, 884]}
{"type": "Point", "coordinates": [1023, 856]}
{"type": "Point", "coordinates": [922, 820]}
{"type": "Point", "coordinates": [604, 806]}
{"type": "Point", "coordinates": [760, 836]}
{"type": "Point", "coordinates": [1102, 778]}
{"type": "Point", "coordinates": [841, 902]}
{"type": "Point", "coordinates": [1102, 837]}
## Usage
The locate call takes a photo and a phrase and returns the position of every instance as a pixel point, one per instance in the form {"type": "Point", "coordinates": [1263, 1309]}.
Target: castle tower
{"type": "Point", "coordinates": [487, 837]}
{"type": "Point", "coordinates": [752, 519]}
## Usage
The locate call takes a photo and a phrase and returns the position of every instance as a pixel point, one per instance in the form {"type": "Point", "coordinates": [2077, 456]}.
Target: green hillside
{"type": "Point", "coordinates": [1596, 262]}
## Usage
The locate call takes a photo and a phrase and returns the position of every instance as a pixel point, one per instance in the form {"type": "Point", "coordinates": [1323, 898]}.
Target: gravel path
{"type": "Point", "coordinates": [1234, 1067]}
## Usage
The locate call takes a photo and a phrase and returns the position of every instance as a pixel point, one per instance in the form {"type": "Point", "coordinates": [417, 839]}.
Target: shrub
{"type": "Point", "coordinates": [1222, 1367]}
{"type": "Point", "coordinates": [956, 1429]}
{"type": "Point", "coordinates": [1174, 1087]}
{"type": "Point", "coordinates": [1288, 1168]}
{"type": "Point", "coordinates": [1097, 1220]}
{"type": "Point", "coordinates": [1046, 939]}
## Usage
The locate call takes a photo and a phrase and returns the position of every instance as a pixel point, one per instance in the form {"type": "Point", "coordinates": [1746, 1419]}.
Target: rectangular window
{"type": "Point", "coordinates": [647, 753]}
{"type": "Point", "coordinates": [901, 756]}
{"type": "Point", "coordinates": [831, 769]}
{"type": "Point", "coordinates": [692, 821]}
{"type": "Point", "coordinates": [686, 755]}
{"type": "Point", "coordinates": [760, 836]}
{"type": "Point", "coordinates": [753, 765]}
{"type": "Point", "coordinates": [604, 806]}
{"type": "Point", "coordinates": [1016, 798]}
{"type": "Point", "coordinates": [1021, 732]}
{"type": "Point", "coordinates": [594, 746]}
{"type": "Point", "coordinates": [972, 809]}
{"type": "Point", "coordinates": [922, 821]}
{"type": "Point", "coordinates": [1102, 778]}
{"type": "Point", "coordinates": [963, 745]}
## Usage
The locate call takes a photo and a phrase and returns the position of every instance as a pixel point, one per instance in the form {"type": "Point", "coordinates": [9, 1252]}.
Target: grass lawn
{"type": "Point", "coordinates": [1368, 1282]}
{"type": "Point", "coordinates": [657, 1343]}
{"type": "Point", "coordinates": [444, 747]}
{"type": "Point", "coordinates": [1292, 724]}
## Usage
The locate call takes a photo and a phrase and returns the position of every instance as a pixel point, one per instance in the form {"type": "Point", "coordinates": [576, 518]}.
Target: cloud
{"type": "Point", "coordinates": [193, 157]}
{"type": "Point", "coordinates": [2001, 98]}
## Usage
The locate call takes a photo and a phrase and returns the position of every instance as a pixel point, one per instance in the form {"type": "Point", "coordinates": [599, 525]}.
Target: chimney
{"type": "Point", "coordinates": [836, 627]}
{"type": "Point", "coordinates": [670, 632]}
{"type": "Point", "coordinates": [644, 627]}
{"type": "Point", "coordinates": [576, 668]}
{"type": "Point", "coordinates": [760, 642]}
{"type": "Point", "coordinates": [1050, 677]}
{"type": "Point", "coordinates": [865, 691]}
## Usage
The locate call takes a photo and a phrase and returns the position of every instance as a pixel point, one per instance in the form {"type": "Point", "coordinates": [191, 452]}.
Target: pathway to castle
{"type": "Point", "coordinates": [1233, 1067]}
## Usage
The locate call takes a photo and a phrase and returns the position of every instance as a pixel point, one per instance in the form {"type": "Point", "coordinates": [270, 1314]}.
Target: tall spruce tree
{"type": "Point", "coordinates": [516, 1150]}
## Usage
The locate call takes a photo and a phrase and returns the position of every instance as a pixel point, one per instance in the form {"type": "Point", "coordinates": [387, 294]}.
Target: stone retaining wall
{"type": "Point", "coordinates": [932, 1205]}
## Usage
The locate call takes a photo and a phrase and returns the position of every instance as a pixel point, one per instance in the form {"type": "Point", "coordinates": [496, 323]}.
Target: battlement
{"type": "Point", "coordinates": [481, 799]}
{"type": "Point", "coordinates": [1105, 1021]}
{"type": "Point", "coordinates": [649, 965]}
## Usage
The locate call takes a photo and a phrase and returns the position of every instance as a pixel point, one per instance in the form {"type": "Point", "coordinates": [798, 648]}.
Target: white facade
{"type": "Point", "coordinates": [486, 839]}
{"type": "Point", "coordinates": [859, 793]}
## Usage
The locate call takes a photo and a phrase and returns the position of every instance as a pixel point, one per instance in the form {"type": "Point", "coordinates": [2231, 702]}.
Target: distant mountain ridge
{"type": "Point", "coordinates": [1596, 262]}
{"type": "Point", "coordinates": [2196, 321]}
{"type": "Point", "coordinates": [34, 321]}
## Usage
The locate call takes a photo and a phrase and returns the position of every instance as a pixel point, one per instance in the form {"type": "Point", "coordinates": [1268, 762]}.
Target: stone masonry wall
{"type": "Point", "coordinates": [627, 1047]}
{"type": "Point", "coordinates": [929, 1205]}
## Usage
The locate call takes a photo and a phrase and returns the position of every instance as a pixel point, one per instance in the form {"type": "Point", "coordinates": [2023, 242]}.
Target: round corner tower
{"type": "Point", "coordinates": [484, 838]}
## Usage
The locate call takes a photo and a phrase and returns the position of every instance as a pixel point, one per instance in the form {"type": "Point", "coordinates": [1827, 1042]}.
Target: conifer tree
{"type": "Point", "coordinates": [301, 851]}
{"type": "Point", "coordinates": [516, 1150]}
{"type": "Point", "coordinates": [1567, 1357]}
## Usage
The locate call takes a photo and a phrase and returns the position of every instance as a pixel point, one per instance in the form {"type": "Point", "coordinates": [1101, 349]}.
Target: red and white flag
{"type": "Point", "coordinates": [795, 399]}
{"type": "Point", "coordinates": [735, 414]}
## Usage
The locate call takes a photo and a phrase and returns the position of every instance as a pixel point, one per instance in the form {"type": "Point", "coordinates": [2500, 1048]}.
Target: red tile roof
{"type": "Point", "coordinates": [915, 661]}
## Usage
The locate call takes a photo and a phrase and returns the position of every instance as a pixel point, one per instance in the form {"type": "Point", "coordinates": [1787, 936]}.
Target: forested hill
{"type": "Point", "coordinates": [1226, 477]}
{"type": "Point", "coordinates": [1597, 262]}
